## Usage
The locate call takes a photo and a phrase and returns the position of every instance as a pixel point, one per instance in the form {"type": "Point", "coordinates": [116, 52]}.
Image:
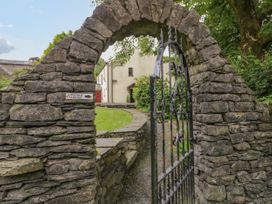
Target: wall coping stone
{"type": "Point", "coordinates": [108, 142]}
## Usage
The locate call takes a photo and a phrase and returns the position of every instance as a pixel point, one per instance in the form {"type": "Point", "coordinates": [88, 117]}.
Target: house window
{"type": "Point", "coordinates": [130, 72]}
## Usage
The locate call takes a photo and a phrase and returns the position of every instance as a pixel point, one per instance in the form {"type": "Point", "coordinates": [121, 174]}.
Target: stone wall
{"type": "Point", "coordinates": [39, 122]}
{"type": "Point", "coordinates": [233, 135]}
{"type": "Point", "coordinates": [47, 142]}
{"type": "Point", "coordinates": [117, 152]}
{"type": "Point", "coordinates": [111, 169]}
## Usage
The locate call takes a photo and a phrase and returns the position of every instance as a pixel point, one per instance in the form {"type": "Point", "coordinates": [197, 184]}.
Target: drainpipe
{"type": "Point", "coordinates": [108, 82]}
{"type": "Point", "coordinates": [111, 68]}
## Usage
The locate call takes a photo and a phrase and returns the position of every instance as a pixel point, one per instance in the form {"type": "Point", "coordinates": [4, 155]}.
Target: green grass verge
{"type": "Point", "coordinates": [108, 119]}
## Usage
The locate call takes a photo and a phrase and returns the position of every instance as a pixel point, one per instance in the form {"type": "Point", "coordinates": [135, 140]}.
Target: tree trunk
{"type": "Point", "coordinates": [249, 26]}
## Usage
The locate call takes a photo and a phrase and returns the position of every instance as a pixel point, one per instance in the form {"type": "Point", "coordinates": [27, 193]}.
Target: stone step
{"type": "Point", "coordinates": [131, 158]}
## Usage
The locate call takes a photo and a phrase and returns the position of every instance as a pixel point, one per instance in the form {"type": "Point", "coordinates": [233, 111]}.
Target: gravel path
{"type": "Point", "coordinates": [137, 186]}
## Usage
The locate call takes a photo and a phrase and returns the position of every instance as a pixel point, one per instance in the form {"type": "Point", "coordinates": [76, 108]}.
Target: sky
{"type": "Point", "coordinates": [27, 26]}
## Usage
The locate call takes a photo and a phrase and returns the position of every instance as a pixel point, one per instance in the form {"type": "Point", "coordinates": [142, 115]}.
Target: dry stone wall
{"type": "Point", "coordinates": [233, 133]}
{"type": "Point", "coordinates": [111, 169]}
{"type": "Point", "coordinates": [47, 141]}
{"type": "Point", "coordinates": [56, 134]}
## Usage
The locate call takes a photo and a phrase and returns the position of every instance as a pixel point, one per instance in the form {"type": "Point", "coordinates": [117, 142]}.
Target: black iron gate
{"type": "Point", "coordinates": [172, 155]}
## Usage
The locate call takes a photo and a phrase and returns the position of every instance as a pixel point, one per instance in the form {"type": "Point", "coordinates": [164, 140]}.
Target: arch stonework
{"type": "Point", "coordinates": [47, 142]}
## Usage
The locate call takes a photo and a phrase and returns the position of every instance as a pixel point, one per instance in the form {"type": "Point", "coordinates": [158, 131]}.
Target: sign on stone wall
{"type": "Point", "coordinates": [80, 96]}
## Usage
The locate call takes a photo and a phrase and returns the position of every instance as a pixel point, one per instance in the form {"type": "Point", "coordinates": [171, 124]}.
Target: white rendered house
{"type": "Point", "coordinates": [118, 82]}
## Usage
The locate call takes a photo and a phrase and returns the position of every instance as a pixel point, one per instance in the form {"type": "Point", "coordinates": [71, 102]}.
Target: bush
{"type": "Point", "coordinates": [143, 97]}
{"type": "Point", "coordinates": [141, 93]}
{"type": "Point", "coordinates": [257, 73]}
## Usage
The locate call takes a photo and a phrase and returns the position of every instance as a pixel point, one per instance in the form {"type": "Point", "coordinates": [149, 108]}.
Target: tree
{"type": "Point", "coordinates": [243, 29]}
{"type": "Point", "coordinates": [247, 23]}
{"type": "Point", "coordinates": [123, 51]}
{"type": "Point", "coordinates": [255, 24]}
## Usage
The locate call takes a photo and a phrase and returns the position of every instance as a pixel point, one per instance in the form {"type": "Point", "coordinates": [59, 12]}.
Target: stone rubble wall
{"type": "Point", "coordinates": [117, 152]}
{"type": "Point", "coordinates": [233, 132]}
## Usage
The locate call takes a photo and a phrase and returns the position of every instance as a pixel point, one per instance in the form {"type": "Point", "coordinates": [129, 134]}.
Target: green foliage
{"type": "Point", "coordinates": [4, 81]}
{"type": "Point", "coordinates": [99, 67]}
{"type": "Point", "coordinates": [219, 16]}
{"type": "Point", "coordinates": [266, 100]}
{"type": "Point", "coordinates": [108, 119]}
{"type": "Point", "coordinates": [256, 73]}
{"type": "Point", "coordinates": [123, 51]}
{"type": "Point", "coordinates": [147, 45]}
{"type": "Point", "coordinates": [141, 94]}
{"type": "Point", "coordinates": [56, 39]}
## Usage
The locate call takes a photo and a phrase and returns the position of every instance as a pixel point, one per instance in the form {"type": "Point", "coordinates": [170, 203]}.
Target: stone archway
{"type": "Point", "coordinates": [47, 138]}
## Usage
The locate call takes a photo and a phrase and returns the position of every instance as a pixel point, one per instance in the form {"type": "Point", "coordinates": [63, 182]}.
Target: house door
{"type": "Point", "coordinates": [131, 96]}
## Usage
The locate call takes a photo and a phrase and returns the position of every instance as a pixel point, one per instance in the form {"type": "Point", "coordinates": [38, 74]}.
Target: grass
{"type": "Point", "coordinates": [4, 81]}
{"type": "Point", "coordinates": [108, 119]}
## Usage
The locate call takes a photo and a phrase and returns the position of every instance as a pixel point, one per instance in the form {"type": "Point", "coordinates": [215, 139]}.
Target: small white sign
{"type": "Point", "coordinates": [80, 96]}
